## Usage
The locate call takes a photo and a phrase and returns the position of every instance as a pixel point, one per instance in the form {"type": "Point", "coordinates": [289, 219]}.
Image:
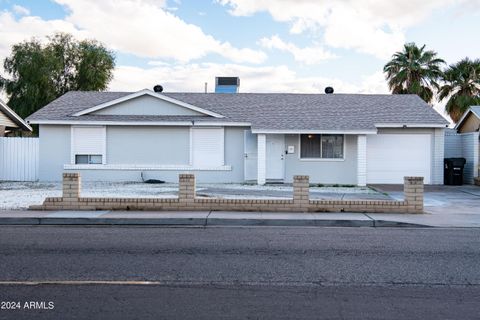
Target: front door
{"type": "Point", "coordinates": [275, 156]}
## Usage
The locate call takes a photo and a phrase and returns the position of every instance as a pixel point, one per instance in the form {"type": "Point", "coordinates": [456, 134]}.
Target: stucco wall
{"type": "Point", "coordinates": [323, 171]}
{"type": "Point", "coordinates": [54, 151]}
{"type": "Point", "coordinates": [148, 145]}
{"type": "Point", "coordinates": [170, 146]}
{"type": "Point", "coordinates": [139, 146]}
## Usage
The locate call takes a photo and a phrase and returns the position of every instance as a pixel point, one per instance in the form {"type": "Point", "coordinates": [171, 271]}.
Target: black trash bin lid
{"type": "Point", "coordinates": [455, 162]}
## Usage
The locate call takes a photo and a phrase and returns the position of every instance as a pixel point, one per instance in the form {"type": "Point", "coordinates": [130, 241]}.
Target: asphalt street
{"type": "Point", "coordinates": [240, 273]}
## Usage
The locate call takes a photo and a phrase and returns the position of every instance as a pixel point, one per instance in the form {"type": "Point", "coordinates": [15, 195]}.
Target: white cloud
{"type": "Point", "coordinates": [192, 77]}
{"type": "Point", "coordinates": [307, 55]}
{"type": "Point", "coordinates": [14, 30]}
{"type": "Point", "coordinates": [147, 29]}
{"type": "Point", "coordinates": [20, 10]}
{"type": "Point", "coordinates": [375, 27]}
{"type": "Point", "coordinates": [143, 28]}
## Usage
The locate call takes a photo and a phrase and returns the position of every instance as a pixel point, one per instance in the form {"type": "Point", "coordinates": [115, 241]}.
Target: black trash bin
{"type": "Point", "coordinates": [453, 171]}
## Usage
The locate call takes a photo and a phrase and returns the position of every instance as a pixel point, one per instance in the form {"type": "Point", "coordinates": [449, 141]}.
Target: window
{"type": "Point", "coordinates": [88, 159]}
{"type": "Point", "coordinates": [321, 146]}
{"type": "Point", "coordinates": [88, 145]}
{"type": "Point", "coordinates": [310, 146]}
{"type": "Point", "coordinates": [332, 146]}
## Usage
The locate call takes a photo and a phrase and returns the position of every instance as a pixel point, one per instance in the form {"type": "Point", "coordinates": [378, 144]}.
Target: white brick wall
{"type": "Point", "coordinates": [261, 158]}
{"type": "Point", "coordinates": [362, 160]}
{"type": "Point", "coordinates": [438, 155]}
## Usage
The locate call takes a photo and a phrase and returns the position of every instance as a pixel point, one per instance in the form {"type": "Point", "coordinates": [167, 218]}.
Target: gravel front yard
{"type": "Point", "coordinates": [20, 195]}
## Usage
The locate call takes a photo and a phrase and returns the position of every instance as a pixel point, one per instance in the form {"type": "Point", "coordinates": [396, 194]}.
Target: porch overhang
{"type": "Point", "coordinates": [303, 131]}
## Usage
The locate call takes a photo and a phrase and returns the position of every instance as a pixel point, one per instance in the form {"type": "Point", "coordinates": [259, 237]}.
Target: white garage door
{"type": "Point", "coordinates": [390, 157]}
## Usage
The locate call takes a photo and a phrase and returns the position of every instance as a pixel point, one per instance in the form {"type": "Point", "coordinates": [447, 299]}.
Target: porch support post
{"type": "Point", "coordinates": [261, 158]}
{"type": "Point", "coordinates": [362, 160]}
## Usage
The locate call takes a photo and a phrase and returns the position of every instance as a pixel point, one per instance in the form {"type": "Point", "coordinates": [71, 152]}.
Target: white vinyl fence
{"type": "Point", "coordinates": [18, 159]}
{"type": "Point", "coordinates": [464, 145]}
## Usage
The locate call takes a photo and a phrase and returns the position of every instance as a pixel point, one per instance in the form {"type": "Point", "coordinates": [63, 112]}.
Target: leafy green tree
{"type": "Point", "coordinates": [414, 70]}
{"type": "Point", "coordinates": [39, 73]}
{"type": "Point", "coordinates": [461, 87]}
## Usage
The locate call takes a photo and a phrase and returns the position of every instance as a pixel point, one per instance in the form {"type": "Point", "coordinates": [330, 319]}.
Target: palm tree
{"type": "Point", "coordinates": [414, 70]}
{"type": "Point", "coordinates": [461, 87]}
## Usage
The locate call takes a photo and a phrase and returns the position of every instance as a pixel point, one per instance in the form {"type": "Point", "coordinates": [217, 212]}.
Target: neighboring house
{"type": "Point", "coordinates": [239, 137]}
{"type": "Point", "coordinates": [10, 121]}
{"type": "Point", "coordinates": [470, 121]}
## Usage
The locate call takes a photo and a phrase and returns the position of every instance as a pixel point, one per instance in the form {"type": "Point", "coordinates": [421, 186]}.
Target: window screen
{"type": "Point", "coordinates": [332, 146]}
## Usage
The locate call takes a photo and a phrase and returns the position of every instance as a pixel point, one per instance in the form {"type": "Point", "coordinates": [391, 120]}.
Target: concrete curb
{"type": "Point", "coordinates": [200, 222]}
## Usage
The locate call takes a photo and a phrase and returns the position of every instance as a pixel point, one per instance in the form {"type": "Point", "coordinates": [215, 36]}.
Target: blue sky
{"type": "Point", "coordinates": [274, 46]}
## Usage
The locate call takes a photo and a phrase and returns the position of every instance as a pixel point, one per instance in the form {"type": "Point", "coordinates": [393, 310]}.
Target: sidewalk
{"type": "Point", "coordinates": [206, 218]}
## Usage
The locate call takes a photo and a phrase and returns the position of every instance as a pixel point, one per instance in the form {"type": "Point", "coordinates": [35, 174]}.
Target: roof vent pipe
{"type": "Point", "coordinates": [328, 90]}
{"type": "Point", "coordinates": [158, 88]}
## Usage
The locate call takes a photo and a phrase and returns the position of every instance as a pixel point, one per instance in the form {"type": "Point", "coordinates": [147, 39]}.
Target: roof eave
{"type": "Point", "coordinates": [411, 125]}
{"type": "Point", "coordinates": [143, 123]}
{"type": "Point", "coordinates": [15, 117]}
{"type": "Point", "coordinates": [312, 131]}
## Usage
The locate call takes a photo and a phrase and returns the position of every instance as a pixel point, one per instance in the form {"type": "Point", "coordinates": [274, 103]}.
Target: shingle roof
{"type": "Point", "coordinates": [268, 111]}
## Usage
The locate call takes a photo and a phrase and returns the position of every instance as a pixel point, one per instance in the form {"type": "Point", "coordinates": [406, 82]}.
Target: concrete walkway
{"type": "Point", "coordinates": [205, 218]}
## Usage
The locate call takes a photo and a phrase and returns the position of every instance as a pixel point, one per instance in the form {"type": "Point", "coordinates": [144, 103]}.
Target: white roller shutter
{"type": "Point", "coordinates": [390, 157]}
{"type": "Point", "coordinates": [88, 141]}
{"type": "Point", "coordinates": [207, 147]}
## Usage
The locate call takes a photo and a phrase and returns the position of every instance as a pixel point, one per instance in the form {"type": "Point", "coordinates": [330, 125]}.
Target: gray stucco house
{"type": "Point", "coordinates": [262, 137]}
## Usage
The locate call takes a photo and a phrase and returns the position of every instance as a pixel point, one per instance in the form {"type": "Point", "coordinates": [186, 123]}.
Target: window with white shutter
{"type": "Point", "coordinates": [88, 145]}
{"type": "Point", "coordinates": [207, 147]}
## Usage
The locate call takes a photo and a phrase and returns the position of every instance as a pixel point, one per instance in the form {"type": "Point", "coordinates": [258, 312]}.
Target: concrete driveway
{"type": "Point", "coordinates": [444, 205]}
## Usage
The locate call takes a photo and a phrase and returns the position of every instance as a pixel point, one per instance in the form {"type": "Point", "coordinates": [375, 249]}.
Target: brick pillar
{"type": "Point", "coordinates": [2, 131]}
{"type": "Point", "coordinates": [413, 193]}
{"type": "Point", "coordinates": [301, 189]}
{"type": "Point", "coordinates": [186, 187]}
{"type": "Point", "coordinates": [71, 187]}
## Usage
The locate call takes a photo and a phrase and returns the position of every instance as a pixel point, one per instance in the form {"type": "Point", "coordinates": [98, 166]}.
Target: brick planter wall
{"type": "Point", "coordinates": [187, 200]}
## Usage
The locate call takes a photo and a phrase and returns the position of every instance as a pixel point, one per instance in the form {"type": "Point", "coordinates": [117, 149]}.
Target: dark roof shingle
{"type": "Point", "coordinates": [269, 111]}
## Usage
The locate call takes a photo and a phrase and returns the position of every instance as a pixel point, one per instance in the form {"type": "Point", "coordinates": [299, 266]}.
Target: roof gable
{"type": "Point", "coordinates": [472, 111]}
{"type": "Point", "coordinates": [12, 117]}
{"type": "Point", "coordinates": [144, 103]}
